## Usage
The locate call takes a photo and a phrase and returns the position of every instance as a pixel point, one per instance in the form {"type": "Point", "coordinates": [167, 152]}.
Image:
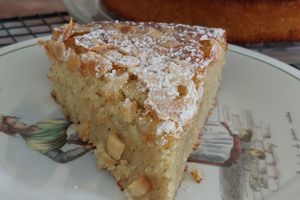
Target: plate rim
{"type": "Point", "coordinates": [272, 62]}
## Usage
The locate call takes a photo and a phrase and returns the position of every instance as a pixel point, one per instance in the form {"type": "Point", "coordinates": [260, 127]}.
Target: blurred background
{"type": "Point", "coordinates": [12, 8]}
{"type": "Point", "coordinates": [25, 19]}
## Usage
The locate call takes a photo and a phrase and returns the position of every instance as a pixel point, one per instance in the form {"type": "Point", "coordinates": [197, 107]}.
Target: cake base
{"type": "Point", "coordinates": [96, 122]}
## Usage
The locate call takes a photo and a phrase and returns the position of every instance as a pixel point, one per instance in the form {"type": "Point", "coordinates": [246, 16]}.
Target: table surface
{"type": "Point", "coordinates": [12, 8]}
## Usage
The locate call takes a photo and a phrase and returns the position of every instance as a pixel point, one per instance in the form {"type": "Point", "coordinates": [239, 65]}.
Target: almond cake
{"type": "Point", "coordinates": [140, 93]}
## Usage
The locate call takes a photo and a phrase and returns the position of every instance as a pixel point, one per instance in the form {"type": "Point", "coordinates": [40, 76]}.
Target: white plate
{"type": "Point", "coordinates": [257, 92]}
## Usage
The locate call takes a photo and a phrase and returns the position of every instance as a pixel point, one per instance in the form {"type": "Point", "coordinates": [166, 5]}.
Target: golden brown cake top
{"type": "Point", "coordinates": [168, 60]}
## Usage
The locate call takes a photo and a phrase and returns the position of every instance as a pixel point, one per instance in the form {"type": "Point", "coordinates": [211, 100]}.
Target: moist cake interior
{"type": "Point", "coordinates": [139, 92]}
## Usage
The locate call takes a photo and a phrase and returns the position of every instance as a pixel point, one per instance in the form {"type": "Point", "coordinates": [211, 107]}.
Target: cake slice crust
{"type": "Point", "coordinates": [140, 93]}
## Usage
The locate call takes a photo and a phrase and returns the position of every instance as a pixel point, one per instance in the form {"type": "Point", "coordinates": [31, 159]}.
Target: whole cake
{"type": "Point", "coordinates": [243, 20]}
{"type": "Point", "coordinates": [140, 93]}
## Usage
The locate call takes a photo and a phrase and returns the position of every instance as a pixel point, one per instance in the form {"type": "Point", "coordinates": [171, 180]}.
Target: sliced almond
{"type": "Point", "coordinates": [155, 33]}
{"type": "Point", "coordinates": [140, 186]}
{"type": "Point", "coordinates": [172, 43]}
{"type": "Point", "coordinates": [59, 50]}
{"type": "Point", "coordinates": [68, 30]}
{"type": "Point", "coordinates": [114, 146]}
{"type": "Point", "coordinates": [73, 62]}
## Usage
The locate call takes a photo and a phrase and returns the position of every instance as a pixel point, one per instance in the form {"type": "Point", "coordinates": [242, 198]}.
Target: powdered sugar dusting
{"type": "Point", "coordinates": [167, 127]}
{"type": "Point", "coordinates": [162, 57]}
{"type": "Point", "coordinates": [101, 64]}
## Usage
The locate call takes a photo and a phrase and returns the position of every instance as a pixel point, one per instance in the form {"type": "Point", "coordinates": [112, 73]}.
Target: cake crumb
{"type": "Point", "coordinates": [197, 175]}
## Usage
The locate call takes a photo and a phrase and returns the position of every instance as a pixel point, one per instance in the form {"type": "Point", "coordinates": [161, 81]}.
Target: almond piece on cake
{"type": "Point", "coordinates": [139, 92]}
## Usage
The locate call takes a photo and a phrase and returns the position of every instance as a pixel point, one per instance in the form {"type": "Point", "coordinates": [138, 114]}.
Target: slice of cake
{"type": "Point", "coordinates": [140, 92]}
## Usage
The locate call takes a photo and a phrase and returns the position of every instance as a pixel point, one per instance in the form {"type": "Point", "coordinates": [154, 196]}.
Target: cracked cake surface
{"type": "Point", "coordinates": [165, 58]}
{"type": "Point", "coordinates": [137, 89]}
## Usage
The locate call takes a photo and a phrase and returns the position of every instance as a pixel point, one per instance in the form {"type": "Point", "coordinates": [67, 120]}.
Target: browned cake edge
{"type": "Point", "coordinates": [244, 21]}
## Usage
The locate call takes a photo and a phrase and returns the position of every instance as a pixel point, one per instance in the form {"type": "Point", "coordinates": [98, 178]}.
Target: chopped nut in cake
{"type": "Point", "coordinates": [115, 146]}
{"type": "Point", "coordinates": [140, 93]}
{"type": "Point", "coordinates": [139, 186]}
